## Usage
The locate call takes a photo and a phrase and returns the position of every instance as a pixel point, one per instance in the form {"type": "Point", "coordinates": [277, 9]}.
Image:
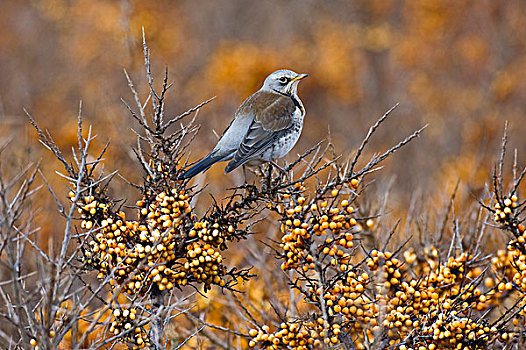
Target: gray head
{"type": "Point", "coordinates": [283, 81]}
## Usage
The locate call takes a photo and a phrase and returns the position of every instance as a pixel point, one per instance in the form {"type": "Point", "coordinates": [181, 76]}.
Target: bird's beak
{"type": "Point", "coordinates": [300, 76]}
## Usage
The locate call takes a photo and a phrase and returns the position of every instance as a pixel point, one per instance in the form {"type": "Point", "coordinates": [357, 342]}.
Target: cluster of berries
{"type": "Point", "coordinates": [126, 322]}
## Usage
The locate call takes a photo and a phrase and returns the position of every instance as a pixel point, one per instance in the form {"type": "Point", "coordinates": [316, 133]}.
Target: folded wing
{"type": "Point", "coordinates": [273, 115]}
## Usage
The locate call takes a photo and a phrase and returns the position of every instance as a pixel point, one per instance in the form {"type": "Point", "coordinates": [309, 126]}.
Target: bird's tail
{"type": "Point", "coordinates": [234, 163]}
{"type": "Point", "coordinates": [201, 166]}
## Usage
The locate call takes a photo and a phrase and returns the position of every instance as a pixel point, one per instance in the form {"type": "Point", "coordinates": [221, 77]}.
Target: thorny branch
{"type": "Point", "coordinates": [351, 289]}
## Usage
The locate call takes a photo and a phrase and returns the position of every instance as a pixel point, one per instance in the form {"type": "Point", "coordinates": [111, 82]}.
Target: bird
{"type": "Point", "coordinates": [266, 126]}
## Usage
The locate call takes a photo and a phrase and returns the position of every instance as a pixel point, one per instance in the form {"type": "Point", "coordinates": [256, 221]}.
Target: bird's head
{"type": "Point", "coordinates": [283, 81]}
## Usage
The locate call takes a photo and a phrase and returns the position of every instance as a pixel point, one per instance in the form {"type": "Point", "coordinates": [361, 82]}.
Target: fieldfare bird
{"type": "Point", "coordinates": [266, 126]}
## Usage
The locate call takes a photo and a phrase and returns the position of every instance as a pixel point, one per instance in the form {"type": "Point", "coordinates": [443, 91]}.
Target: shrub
{"type": "Point", "coordinates": [337, 278]}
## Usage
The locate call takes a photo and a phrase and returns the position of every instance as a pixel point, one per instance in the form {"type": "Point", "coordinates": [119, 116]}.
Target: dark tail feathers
{"type": "Point", "coordinates": [201, 166]}
{"type": "Point", "coordinates": [234, 163]}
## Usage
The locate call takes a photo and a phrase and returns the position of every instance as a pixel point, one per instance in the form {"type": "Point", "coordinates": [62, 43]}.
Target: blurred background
{"type": "Point", "coordinates": [459, 66]}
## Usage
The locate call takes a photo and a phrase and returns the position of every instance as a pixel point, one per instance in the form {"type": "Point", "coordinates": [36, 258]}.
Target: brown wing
{"type": "Point", "coordinates": [273, 113]}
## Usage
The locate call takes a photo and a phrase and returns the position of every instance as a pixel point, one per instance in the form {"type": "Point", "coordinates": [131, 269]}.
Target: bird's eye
{"type": "Point", "coordinates": [283, 80]}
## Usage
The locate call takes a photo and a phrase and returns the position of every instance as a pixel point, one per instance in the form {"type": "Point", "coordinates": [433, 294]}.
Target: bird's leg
{"type": "Point", "coordinates": [282, 170]}
{"type": "Point", "coordinates": [245, 180]}
{"type": "Point", "coordinates": [244, 173]}
{"type": "Point", "coordinates": [277, 166]}
{"type": "Point", "coordinates": [268, 177]}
